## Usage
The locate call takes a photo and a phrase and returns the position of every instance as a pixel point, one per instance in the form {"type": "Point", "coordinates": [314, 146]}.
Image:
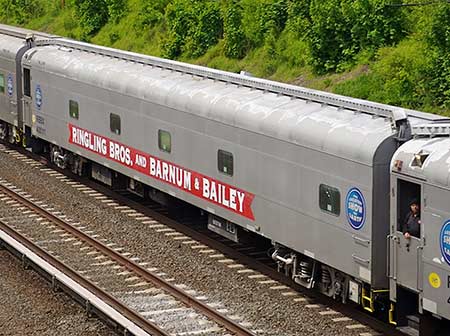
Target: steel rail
{"type": "Point", "coordinates": [346, 309]}
{"type": "Point", "coordinates": [132, 266]}
{"type": "Point", "coordinates": [131, 315]}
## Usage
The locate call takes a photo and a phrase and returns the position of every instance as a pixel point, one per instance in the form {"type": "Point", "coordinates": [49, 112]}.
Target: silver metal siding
{"type": "Point", "coordinates": [283, 148]}
{"type": "Point", "coordinates": [435, 214]}
{"type": "Point", "coordinates": [10, 47]}
{"type": "Point", "coordinates": [381, 213]}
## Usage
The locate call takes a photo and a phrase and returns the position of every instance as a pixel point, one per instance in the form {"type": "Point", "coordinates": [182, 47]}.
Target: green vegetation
{"type": "Point", "coordinates": [380, 50]}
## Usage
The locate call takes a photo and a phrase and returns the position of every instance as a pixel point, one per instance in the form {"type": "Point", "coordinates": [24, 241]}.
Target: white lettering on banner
{"type": "Point", "coordinates": [140, 160]}
{"type": "Point", "coordinates": [219, 193]}
{"type": "Point", "coordinates": [120, 153]}
{"type": "Point", "coordinates": [177, 176]}
{"type": "Point", "coordinates": [87, 140]}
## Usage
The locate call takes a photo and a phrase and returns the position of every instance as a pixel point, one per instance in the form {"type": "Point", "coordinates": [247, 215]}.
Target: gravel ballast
{"type": "Point", "coordinates": [250, 299]}
{"type": "Point", "coordinates": [28, 306]}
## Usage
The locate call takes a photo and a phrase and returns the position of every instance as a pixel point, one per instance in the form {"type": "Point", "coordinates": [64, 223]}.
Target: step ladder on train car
{"type": "Point", "coordinates": [412, 327]}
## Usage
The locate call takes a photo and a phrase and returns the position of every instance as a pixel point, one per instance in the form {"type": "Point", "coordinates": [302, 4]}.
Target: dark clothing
{"type": "Point", "coordinates": [412, 224]}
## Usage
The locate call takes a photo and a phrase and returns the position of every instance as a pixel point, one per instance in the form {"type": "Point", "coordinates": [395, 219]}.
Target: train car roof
{"type": "Point", "coordinates": [425, 158]}
{"type": "Point", "coordinates": [335, 130]}
{"type": "Point", "coordinates": [10, 46]}
{"type": "Point", "coordinates": [12, 39]}
{"type": "Point", "coordinates": [22, 33]}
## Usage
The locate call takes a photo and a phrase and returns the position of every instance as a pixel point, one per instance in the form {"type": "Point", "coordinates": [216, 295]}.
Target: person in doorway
{"type": "Point", "coordinates": [411, 225]}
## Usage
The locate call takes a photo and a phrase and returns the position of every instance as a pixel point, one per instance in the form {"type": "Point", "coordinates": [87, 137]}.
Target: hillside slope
{"type": "Point", "coordinates": [382, 50]}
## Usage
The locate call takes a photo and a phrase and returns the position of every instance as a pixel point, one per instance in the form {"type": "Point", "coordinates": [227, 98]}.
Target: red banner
{"type": "Point", "coordinates": [207, 188]}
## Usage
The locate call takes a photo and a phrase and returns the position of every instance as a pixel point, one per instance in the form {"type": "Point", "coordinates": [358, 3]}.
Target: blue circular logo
{"type": "Point", "coordinates": [445, 241]}
{"type": "Point", "coordinates": [38, 95]}
{"type": "Point", "coordinates": [356, 208]}
{"type": "Point", "coordinates": [10, 85]}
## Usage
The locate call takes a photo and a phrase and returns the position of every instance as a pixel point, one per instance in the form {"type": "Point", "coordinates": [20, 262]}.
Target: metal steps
{"type": "Point", "coordinates": [412, 328]}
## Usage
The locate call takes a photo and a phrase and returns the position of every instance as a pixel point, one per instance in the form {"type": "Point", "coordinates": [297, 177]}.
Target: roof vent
{"type": "Point", "coordinates": [419, 159]}
{"type": "Point", "coordinates": [245, 73]}
{"type": "Point", "coordinates": [29, 37]}
{"type": "Point", "coordinates": [65, 49]}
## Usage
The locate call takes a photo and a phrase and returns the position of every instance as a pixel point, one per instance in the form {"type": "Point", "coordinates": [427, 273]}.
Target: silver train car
{"type": "Point", "coordinates": [14, 43]}
{"type": "Point", "coordinates": [420, 267]}
{"type": "Point", "coordinates": [315, 173]}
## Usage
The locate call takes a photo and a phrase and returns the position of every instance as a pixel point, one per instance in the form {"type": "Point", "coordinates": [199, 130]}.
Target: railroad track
{"type": "Point", "coordinates": [148, 304]}
{"type": "Point", "coordinates": [240, 253]}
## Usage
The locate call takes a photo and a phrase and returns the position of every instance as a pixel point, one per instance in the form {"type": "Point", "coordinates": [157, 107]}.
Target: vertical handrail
{"type": "Point", "coordinates": [388, 257]}
{"type": "Point", "coordinates": [394, 258]}
{"type": "Point", "coordinates": [419, 277]}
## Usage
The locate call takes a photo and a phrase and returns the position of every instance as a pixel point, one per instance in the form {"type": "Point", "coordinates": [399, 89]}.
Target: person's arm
{"type": "Point", "coordinates": [406, 226]}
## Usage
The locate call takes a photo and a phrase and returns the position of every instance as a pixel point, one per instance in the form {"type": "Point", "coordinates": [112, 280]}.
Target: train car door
{"type": "Point", "coordinates": [27, 101]}
{"type": "Point", "coordinates": [406, 253]}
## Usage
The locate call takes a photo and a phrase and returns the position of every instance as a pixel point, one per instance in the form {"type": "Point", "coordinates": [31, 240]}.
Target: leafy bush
{"type": "Point", "coordinates": [397, 77]}
{"type": "Point", "coordinates": [92, 15]}
{"type": "Point", "coordinates": [235, 42]}
{"type": "Point", "coordinates": [341, 28]}
{"type": "Point", "coordinates": [263, 18]}
{"type": "Point", "coordinates": [207, 31]}
{"type": "Point", "coordinates": [19, 12]}
{"type": "Point", "coordinates": [438, 85]}
{"type": "Point", "coordinates": [116, 9]}
{"type": "Point", "coordinates": [437, 30]}
{"type": "Point", "coordinates": [151, 12]}
{"type": "Point", "coordinates": [437, 36]}
{"type": "Point", "coordinates": [193, 26]}
{"type": "Point", "coordinates": [357, 46]}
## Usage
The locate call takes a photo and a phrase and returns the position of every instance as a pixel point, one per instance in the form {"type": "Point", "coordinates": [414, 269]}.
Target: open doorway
{"type": "Point", "coordinates": [407, 193]}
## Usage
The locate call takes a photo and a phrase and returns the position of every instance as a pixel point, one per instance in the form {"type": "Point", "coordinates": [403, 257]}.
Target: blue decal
{"type": "Point", "coordinates": [356, 208]}
{"type": "Point", "coordinates": [38, 97]}
{"type": "Point", "coordinates": [445, 241]}
{"type": "Point", "coordinates": [10, 85]}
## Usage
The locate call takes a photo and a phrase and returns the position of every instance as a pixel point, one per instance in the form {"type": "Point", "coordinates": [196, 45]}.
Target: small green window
{"type": "Point", "coordinates": [73, 109]}
{"type": "Point", "coordinates": [114, 123]}
{"type": "Point", "coordinates": [225, 162]}
{"type": "Point", "coordinates": [2, 83]}
{"type": "Point", "coordinates": [164, 141]}
{"type": "Point", "coordinates": [330, 199]}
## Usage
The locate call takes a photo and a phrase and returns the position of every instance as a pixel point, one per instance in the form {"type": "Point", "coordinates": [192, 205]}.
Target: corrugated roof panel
{"type": "Point", "coordinates": [341, 132]}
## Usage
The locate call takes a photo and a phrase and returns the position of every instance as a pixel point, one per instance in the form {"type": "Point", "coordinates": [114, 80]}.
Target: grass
{"type": "Point", "coordinates": [394, 74]}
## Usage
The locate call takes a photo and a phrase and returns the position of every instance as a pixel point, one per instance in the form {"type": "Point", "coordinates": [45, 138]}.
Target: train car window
{"type": "Point", "coordinates": [225, 162]}
{"type": "Point", "coordinates": [114, 123]}
{"type": "Point", "coordinates": [26, 82]}
{"type": "Point", "coordinates": [2, 83]}
{"type": "Point", "coordinates": [330, 199]}
{"type": "Point", "coordinates": [73, 109]}
{"type": "Point", "coordinates": [164, 141]}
